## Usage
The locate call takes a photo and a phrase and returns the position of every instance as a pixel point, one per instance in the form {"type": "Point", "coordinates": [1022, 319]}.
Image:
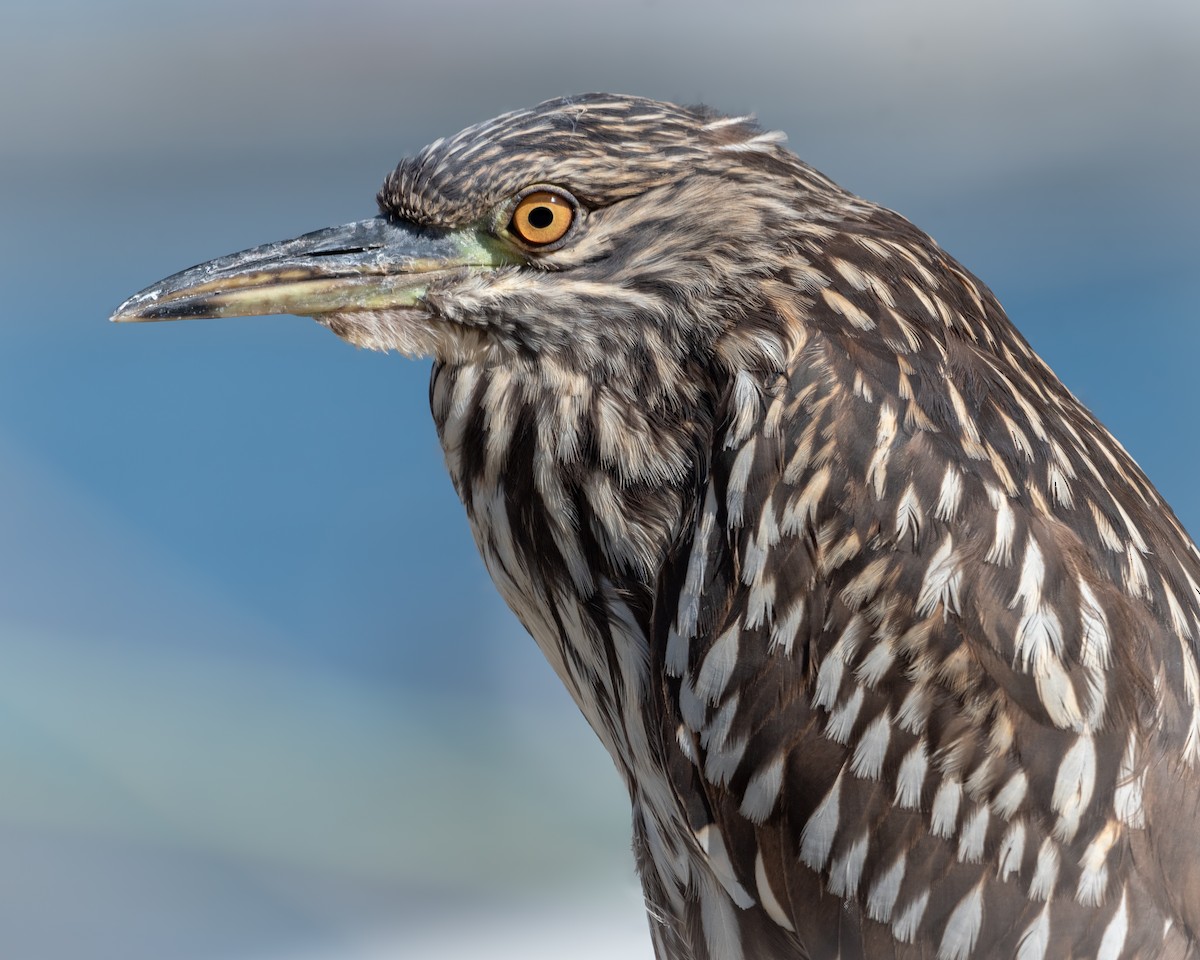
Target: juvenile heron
{"type": "Point", "coordinates": [892, 643]}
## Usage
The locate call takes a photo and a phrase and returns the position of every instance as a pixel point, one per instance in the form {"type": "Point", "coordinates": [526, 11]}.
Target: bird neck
{"type": "Point", "coordinates": [575, 495]}
{"type": "Point", "coordinates": [593, 477]}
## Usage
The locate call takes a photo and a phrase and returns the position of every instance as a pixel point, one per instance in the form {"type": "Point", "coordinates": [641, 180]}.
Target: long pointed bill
{"type": "Point", "coordinates": [375, 264]}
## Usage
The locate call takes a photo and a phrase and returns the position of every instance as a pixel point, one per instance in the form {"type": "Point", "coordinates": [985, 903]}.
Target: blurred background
{"type": "Point", "coordinates": [257, 697]}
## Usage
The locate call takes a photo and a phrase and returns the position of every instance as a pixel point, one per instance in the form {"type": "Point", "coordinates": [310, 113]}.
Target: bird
{"type": "Point", "coordinates": [892, 643]}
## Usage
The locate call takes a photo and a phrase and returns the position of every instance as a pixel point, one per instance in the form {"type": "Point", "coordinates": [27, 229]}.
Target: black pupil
{"type": "Point", "coordinates": [541, 217]}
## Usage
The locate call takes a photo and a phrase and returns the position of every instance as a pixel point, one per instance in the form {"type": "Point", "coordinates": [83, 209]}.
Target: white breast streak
{"type": "Point", "coordinates": [1035, 941]}
{"type": "Point", "coordinates": [962, 929]}
{"type": "Point", "coordinates": [1113, 941]}
{"type": "Point", "coordinates": [767, 896]}
{"type": "Point", "coordinates": [877, 471]}
{"type": "Point", "coordinates": [816, 839]}
{"type": "Point", "coordinates": [1191, 674]}
{"type": "Point", "coordinates": [712, 842]}
{"type": "Point", "coordinates": [686, 617]}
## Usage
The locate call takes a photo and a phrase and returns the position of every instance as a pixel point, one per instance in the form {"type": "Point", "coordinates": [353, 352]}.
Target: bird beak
{"type": "Point", "coordinates": [375, 264]}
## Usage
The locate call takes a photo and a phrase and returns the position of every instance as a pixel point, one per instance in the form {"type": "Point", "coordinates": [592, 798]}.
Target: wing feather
{"type": "Point", "coordinates": [913, 643]}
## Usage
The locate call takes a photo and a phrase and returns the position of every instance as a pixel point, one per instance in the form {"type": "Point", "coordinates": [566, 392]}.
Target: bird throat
{"type": "Point", "coordinates": [575, 496]}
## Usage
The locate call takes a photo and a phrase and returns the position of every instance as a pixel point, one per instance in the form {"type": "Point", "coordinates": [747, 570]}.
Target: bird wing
{"type": "Point", "coordinates": [919, 659]}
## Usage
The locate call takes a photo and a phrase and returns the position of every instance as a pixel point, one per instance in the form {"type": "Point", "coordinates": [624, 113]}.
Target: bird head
{"type": "Point", "coordinates": [611, 236]}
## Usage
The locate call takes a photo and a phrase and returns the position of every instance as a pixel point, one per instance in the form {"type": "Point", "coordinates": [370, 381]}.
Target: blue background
{"type": "Point", "coordinates": [257, 696]}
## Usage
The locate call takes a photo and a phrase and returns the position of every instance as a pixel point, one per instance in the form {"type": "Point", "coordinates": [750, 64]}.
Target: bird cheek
{"type": "Point", "coordinates": [413, 333]}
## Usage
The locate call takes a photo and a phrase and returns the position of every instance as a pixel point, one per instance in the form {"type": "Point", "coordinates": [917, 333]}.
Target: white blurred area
{"type": "Point", "coordinates": [175, 786]}
{"type": "Point", "coordinates": [546, 930]}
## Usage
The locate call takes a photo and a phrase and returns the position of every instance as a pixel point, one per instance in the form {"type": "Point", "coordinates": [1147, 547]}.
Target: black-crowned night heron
{"type": "Point", "coordinates": [892, 643]}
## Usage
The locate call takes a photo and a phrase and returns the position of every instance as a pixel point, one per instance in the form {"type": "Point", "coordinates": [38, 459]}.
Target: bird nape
{"type": "Point", "coordinates": [893, 645]}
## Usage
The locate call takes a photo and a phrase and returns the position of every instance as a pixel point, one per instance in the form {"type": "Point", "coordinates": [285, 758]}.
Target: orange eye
{"type": "Point", "coordinates": [542, 217]}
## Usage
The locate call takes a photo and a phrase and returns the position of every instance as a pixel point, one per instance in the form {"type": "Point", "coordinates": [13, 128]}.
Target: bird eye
{"type": "Point", "coordinates": [542, 217]}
